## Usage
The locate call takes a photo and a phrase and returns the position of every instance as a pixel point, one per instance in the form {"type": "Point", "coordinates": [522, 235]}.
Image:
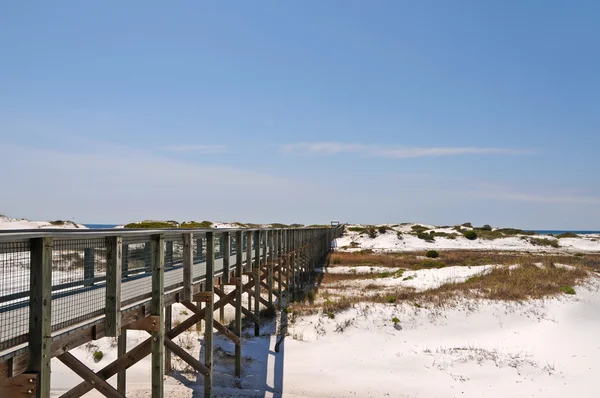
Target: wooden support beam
{"type": "Point", "coordinates": [121, 351]}
{"type": "Point", "coordinates": [114, 255]}
{"type": "Point", "coordinates": [238, 301]}
{"type": "Point", "coordinates": [257, 283]}
{"type": "Point", "coordinates": [269, 239]}
{"type": "Point", "coordinates": [249, 261]}
{"type": "Point", "coordinates": [188, 261]}
{"type": "Point", "coordinates": [150, 323]}
{"type": "Point", "coordinates": [190, 360]}
{"type": "Point", "coordinates": [233, 281]}
{"type": "Point", "coordinates": [208, 332]}
{"type": "Point", "coordinates": [168, 325]}
{"type": "Point", "coordinates": [40, 313]}
{"type": "Point", "coordinates": [157, 309]}
{"type": "Point", "coordinates": [86, 374]}
{"type": "Point", "coordinates": [217, 325]}
{"type": "Point", "coordinates": [202, 297]}
{"type": "Point", "coordinates": [20, 386]}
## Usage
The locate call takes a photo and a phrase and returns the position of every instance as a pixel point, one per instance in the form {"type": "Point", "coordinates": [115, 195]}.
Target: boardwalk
{"type": "Point", "coordinates": [62, 289]}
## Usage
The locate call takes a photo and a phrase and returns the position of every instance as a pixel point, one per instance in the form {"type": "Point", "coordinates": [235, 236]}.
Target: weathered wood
{"type": "Point", "coordinates": [20, 386]}
{"type": "Point", "coordinates": [114, 274]}
{"type": "Point", "coordinates": [150, 323]}
{"type": "Point", "coordinates": [121, 351]}
{"type": "Point", "coordinates": [157, 308]}
{"type": "Point", "coordinates": [257, 283]}
{"type": "Point", "coordinates": [233, 281]}
{"type": "Point", "coordinates": [238, 301]}
{"type": "Point", "coordinates": [208, 333]}
{"type": "Point", "coordinates": [190, 360]}
{"type": "Point", "coordinates": [88, 265]}
{"type": "Point", "coordinates": [168, 326]}
{"type": "Point", "coordinates": [40, 313]}
{"type": "Point", "coordinates": [188, 261]}
{"type": "Point", "coordinates": [248, 266]}
{"type": "Point", "coordinates": [86, 374]}
{"type": "Point", "coordinates": [226, 249]}
{"type": "Point", "coordinates": [217, 325]}
{"type": "Point", "coordinates": [202, 297]}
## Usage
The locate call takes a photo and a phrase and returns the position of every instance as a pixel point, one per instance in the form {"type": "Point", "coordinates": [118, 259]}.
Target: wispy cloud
{"type": "Point", "coordinates": [334, 148]}
{"type": "Point", "coordinates": [195, 148]}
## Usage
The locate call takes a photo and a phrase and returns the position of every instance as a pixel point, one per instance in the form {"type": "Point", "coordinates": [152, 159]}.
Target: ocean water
{"type": "Point", "coordinates": [100, 226]}
{"type": "Point", "coordinates": [558, 232]}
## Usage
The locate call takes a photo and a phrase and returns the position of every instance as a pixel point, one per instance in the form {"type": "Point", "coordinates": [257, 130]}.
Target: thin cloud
{"type": "Point", "coordinates": [195, 148]}
{"type": "Point", "coordinates": [334, 148]}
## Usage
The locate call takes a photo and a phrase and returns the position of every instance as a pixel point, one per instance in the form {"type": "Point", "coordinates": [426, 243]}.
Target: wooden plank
{"type": "Point", "coordinates": [114, 275]}
{"type": "Point", "coordinates": [238, 302]}
{"type": "Point", "coordinates": [190, 360]}
{"type": "Point", "coordinates": [209, 312]}
{"type": "Point", "coordinates": [86, 374]}
{"type": "Point", "coordinates": [88, 265]}
{"type": "Point", "coordinates": [188, 261]}
{"type": "Point", "coordinates": [121, 351]}
{"type": "Point", "coordinates": [157, 309]}
{"type": "Point", "coordinates": [150, 323]}
{"type": "Point", "coordinates": [40, 313]}
{"type": "Point", "coordinates": [168, 326]}
{"type": "Point", "coordinates": [21, 386]}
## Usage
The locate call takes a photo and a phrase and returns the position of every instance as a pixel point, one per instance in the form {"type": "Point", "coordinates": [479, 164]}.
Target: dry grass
{"type": "Point", "coordinates": [412, 260]}
{"type": "Point", "coordinates": [536, 277]}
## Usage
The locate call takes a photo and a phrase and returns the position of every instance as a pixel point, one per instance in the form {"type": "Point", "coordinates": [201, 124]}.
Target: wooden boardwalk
{"type": "Point", "coordinates": [62, 289]}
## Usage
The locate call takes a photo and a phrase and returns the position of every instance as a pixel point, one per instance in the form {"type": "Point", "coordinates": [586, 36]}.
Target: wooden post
{"type": "Point", "coordinates": [226, 251]}
{"type": "Point", "coordinates": [168, 326]}
{"type": "Point", "coordinates": [278, 254]}
{"type": "Point", "coordinates": [121, 351]}
{"type": "Point", "coordinates": [114, 275]}
{"type": "Point", "coordinates": [257, 282]}
{"type": "Point", "coordinates": [88, 265]}
{"type": "Point", "coordinates": [226, 254]}
{"type": "Point", "coordinates": [188, 261]}
{"type": "Point", "coordinates": [238, 300]}
{"type": "Point", "coordinates": [294, 262]}
{"type": "Point", "coordinates": [157, 308]}
{"type": "Point", "coordinates": [249, 262]}
{"type": "Point", "coordinates": [288, 260]}
{"type": "Point", "coordinates": [40, 313]}
{"type": "Point", "coordinates": [208, 332]}
{"type": "Point", "coordinates": [270, 259]}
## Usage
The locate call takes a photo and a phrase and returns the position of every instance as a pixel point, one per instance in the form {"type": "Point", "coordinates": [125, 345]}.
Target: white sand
{"type": "Point", "coordinates": [401, 239]}
{"type": "Point", "coordinates": [7, 223]}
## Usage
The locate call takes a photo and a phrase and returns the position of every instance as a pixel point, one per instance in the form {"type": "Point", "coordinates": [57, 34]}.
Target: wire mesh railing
{"type": "Point", "coordinates": [78, 274]}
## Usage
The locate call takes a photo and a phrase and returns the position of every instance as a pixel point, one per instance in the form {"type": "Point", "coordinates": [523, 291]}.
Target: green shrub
{"type": "Point", "coordinates": [567, 235]}
{"type": "Point", "coordinates": [486, 227]}
{"type": "Point", "coordinates": [372, 232]}
{"type": "Point", "coordinates": [153, 224]}
{"type": "Point", "coordinates": [544, 242]}
{"type": "Point", "coordinates": [432, 254]}
{"type": "Point", "coordinates": [395, 320]}
{"type": "Point", "coordinates": [98, 355]}
{"type": "Point", "coordinates": [419, 228]}
{"type": "Point", "coordinates": [446, 235]}
{"type": "Point", "coordinates": [278, 225]}
{"type": "Point", "coordinates": [467, 224]}
{"type": "Point", "coordinates": [196, 225]}
{"type": "Point", "coordinates": [382, 229]}
{"type": "Point", "coordinates": [567, 290]}
{"type": "Point", "coordinates": [471, 235]}
{"type": "Point", "coordinates": [429, 237]}
{"type": "Point", "coordinates": [390, 298]}
{"type": "Point", "coordinates": [356, 229]}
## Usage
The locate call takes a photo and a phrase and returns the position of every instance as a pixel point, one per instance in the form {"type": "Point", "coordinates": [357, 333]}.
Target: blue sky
{"type": "Point", "coordinates": [381, 111]}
